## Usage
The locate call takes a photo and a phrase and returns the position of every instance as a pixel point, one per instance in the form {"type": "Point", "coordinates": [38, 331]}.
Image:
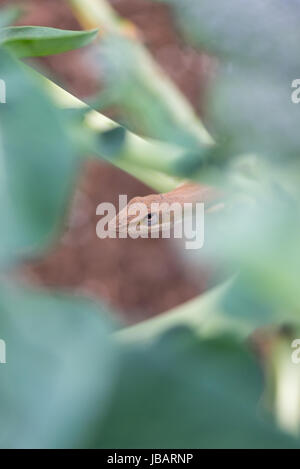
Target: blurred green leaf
{"type": "Point", "coordinates": [251, 301]}
{"type": "Point", "coordinates": [8, 15]}
{"type": "Point", "coordinates": [148, 101]}
{"type": "Point", "coordinates": [37, 164]}
{"type": "Point", "coordinates": [183, 392]}
{"type": "Point", "coordinates": [250, 104]}
{"type": "Point", "coordinates": [252, 111]}
{"type": "Point", "coordinates": [34, 41]}
{"type": "Point", "coordinates": [265, 32]}
{"type": "Point", "coordinates": [59, 371]}
{"type": "Point", "coordinates": [205, 314]}
{"type": "Point", "coordinates": [259, 239]}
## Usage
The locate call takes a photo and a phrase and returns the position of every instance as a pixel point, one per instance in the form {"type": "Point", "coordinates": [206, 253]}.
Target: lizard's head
{"type": "Point", "coordinates": [159, 212]}
{"type": "Point", "coordinates": [144, 215]}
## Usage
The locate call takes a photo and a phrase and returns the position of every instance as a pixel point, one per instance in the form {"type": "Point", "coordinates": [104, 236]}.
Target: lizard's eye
{"type": "Point", "coordinates": [151, 219]}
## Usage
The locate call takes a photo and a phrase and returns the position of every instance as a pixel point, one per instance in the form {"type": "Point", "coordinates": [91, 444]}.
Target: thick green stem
{"type": "Point", "coordinates": [141, 158]}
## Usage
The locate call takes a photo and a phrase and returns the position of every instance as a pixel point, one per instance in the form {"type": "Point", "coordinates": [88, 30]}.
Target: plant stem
{"type": "Point", "coordinates": [99, 14]}
{"type": "Point", "coordinates": [140, 158]}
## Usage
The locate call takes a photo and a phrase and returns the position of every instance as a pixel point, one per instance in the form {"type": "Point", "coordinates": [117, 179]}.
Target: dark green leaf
{"type": "Point", "coordinates": [183, 392]}
{"type": "Point", "coordinates": [58, 372]}
{"type": "Point", "coordinates": [37, 164]}
{"type": "Point", "coordinates": [34, 41]}
{"type": "Point", "coordinates": [112, 141]}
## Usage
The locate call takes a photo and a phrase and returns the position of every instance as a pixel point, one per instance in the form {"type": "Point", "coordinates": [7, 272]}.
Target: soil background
{"type": "Point", "coordinates": [137, 278]}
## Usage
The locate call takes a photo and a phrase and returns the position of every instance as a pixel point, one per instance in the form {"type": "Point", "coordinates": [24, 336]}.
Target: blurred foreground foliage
{"type": "Point", "coordinates": [69, 381]}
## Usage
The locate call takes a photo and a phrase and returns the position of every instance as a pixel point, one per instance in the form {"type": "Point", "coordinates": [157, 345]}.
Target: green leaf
{"type": "Point", "coordinates": [259, 32]}
{"type": "Point", "coordinates": [59, 369]}
{"type": "Point", "coordinates": [147, 100]}
{"type": "Point", "coordinates": [8, 15]}
{"type": "Point", "coordinates": [35, 41]}
{"type": "Point", "coordinates": [257, 239]}
{"type": "Point", "coordinates": [252, 111]}
{"type": "Point", "coordinates": [37, 161]}
{"type": "Point", "coordinates": [182, 392]}
{"type": "Point", "coordinates": [250, 301]}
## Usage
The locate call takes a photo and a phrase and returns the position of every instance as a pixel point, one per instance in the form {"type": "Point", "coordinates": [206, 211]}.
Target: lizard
{"type": "Point", "coordinates": [152, 213]}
